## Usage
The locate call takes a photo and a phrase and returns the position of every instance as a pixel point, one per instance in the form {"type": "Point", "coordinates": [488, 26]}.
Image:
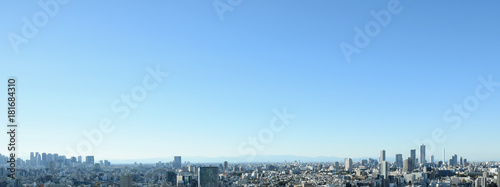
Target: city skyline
{"type": "Point", "coordinates": [177, 79]}
{"type": "Point", "coordinates": [177, 160]}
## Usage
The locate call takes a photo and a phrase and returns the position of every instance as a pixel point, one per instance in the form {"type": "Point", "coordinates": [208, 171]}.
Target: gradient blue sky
{"type": "Point", "coordinates": [226, 77]}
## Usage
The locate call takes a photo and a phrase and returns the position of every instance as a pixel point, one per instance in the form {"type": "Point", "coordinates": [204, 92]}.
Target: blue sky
{"type": "Point", "coordinates": [227, 76]}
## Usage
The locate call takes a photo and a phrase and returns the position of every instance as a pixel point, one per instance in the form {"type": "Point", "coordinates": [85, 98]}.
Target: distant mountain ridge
{"type": "Point", "coordinates": [244, 159]}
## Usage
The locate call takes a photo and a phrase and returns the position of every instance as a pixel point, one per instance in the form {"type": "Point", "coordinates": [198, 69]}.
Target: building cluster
{"type": "Point", "coordinates": [57, 171]}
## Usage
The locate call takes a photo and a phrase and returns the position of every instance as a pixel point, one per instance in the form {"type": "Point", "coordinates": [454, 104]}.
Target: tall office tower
{"type": "Point", "coordinates": [171, 178]}
{"type": "Point", "coordinates": [225, 165]}
{"type": "Point", "coordinates": [422, 154]}
{"type": "Point", "coordinates": [399, 160]}
{"type": "Point", "coordinates": [432, 158]}
{"type": "Point", "coordinates": [444, 156]}
{"type": "Point", "coordinates": [50, 157]}
{"type": "Point", "coordinates": [408, 165]}
{"type": "Point", "coordinates": [454, 160]}
{"type": "Point", "coordinates": [126, 181]}
{"type": "Point", "coordinates": [80, 160]}
{"type": "Point", "coordinates": [73, 159]}
{"type": "Point", "coordinates": [384, 169]}
{"type": "Point", "coordinates": [461, 162]}
{"type": "Point", "coordinates": [38, 159]}
{"type": "Point", "coordinates": [498, 179]}
{"type": "Point", "coordinates": [89, 160]}
{"type": "Point", "coordinates": [382, 156]}
{"type": "Point", "coordinates": [177, 162]}
{"type": "Point", "coordinates": [465, 162]}
{"type": "Point", "coordinates": [348, 164]}
{"type": "Point", "coordinates": [32, 159]}
{"type": "Point", "coordinates": [413, 156]}
{"type": "Point", "coordinates": [207, 176]}
{"type": "Point", "coordinates": [44, 159]}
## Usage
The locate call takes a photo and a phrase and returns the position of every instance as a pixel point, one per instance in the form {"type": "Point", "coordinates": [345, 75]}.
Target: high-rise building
{"type": "Point", "coordinates": [413, 156]}
{"type": "Point", "coordinates": [32, 159]}
{"type": "Point", "coordinates": [38, 158]}
{"type": "Point", "coordinates": [432, 158]}
{"type": "Point", "coordinates": [225, 165]}
{"type": "Point", "coordinates": [384, 169]}
{"type": "Point", "coordinates": [208, 176]}
{"type": "Point", "coordinates": [382, 156]}
{"type": "Point", "coordinates": [454, 160]}
{"type": "Point", "coordinates": [126, 181]}
{"type": "Point", "coordinates": [348, 164]}
{"type": "Point", "coordinates": [444, 156]}
{"type": "Point", "coordinates": [44, 159]}
{"type": "Point", "coordinates": [50, 157]}
{"type": "Point", "coordinates": [399, 160]}
{"type": "Point", "coordinates": [461, 162]}
{"type": "Point", "coordinates": [177, 162]}
{"type": "Point", "coordinates": [89, 160]}
{"type": "Point", "coordinates": [422, 154]}
{"type": "Point", "coordinates": [408, 165]}
{"type": "Point", "coordinates": [498, 179]}
{"type": "Point", "coordinates": [80, 159]}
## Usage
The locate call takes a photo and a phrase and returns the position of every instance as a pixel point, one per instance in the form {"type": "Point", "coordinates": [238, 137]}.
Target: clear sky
{"type": "Point", "coordinates": [226, 76]}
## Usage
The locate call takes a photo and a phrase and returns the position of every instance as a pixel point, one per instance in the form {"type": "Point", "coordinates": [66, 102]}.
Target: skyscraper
{"type": "Point", "coordinates": [32, 158]}
{"type": "Point", "coordinates": [408, 165]}
{"type": "Point", "coordinates": [384, 169]}
{"type": "Point", "coordinates": [422, 154]}
{"type": "Point", "coordinates": [207, 176]}
{"type": "Point", "coordinates": [432, 158]}
{"type": "Point", "coordinates": [44, 159]}
{"type": "Point", "coordinates": [413, 156]}
{"type": "Point", "coordinates": [399, 160]}
{"type": "Point", "coordinates": [38, 158]}
{"type": "Point", "coordinates": [89, 160]}
{"type": "Point", "coordinates": [382, 156]}
{"type": "Point", "coordinates": [454, 160]}
{"type": "Point", "coordinates": [225, 165]}
{"type": "Point", "coordinates": [177, 162]}
{"type": "Point", "coordinates": [348, 164]}
{"type": "Point", "coordinates": [80, 159]}
{"type": "Point", "coordinates": [498, 179]}
{"type": "Point", "coordinates": [444, 156]}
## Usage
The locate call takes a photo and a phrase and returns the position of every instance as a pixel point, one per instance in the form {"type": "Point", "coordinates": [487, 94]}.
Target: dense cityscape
{"type": "Point", "coordinates": [53, 170]}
